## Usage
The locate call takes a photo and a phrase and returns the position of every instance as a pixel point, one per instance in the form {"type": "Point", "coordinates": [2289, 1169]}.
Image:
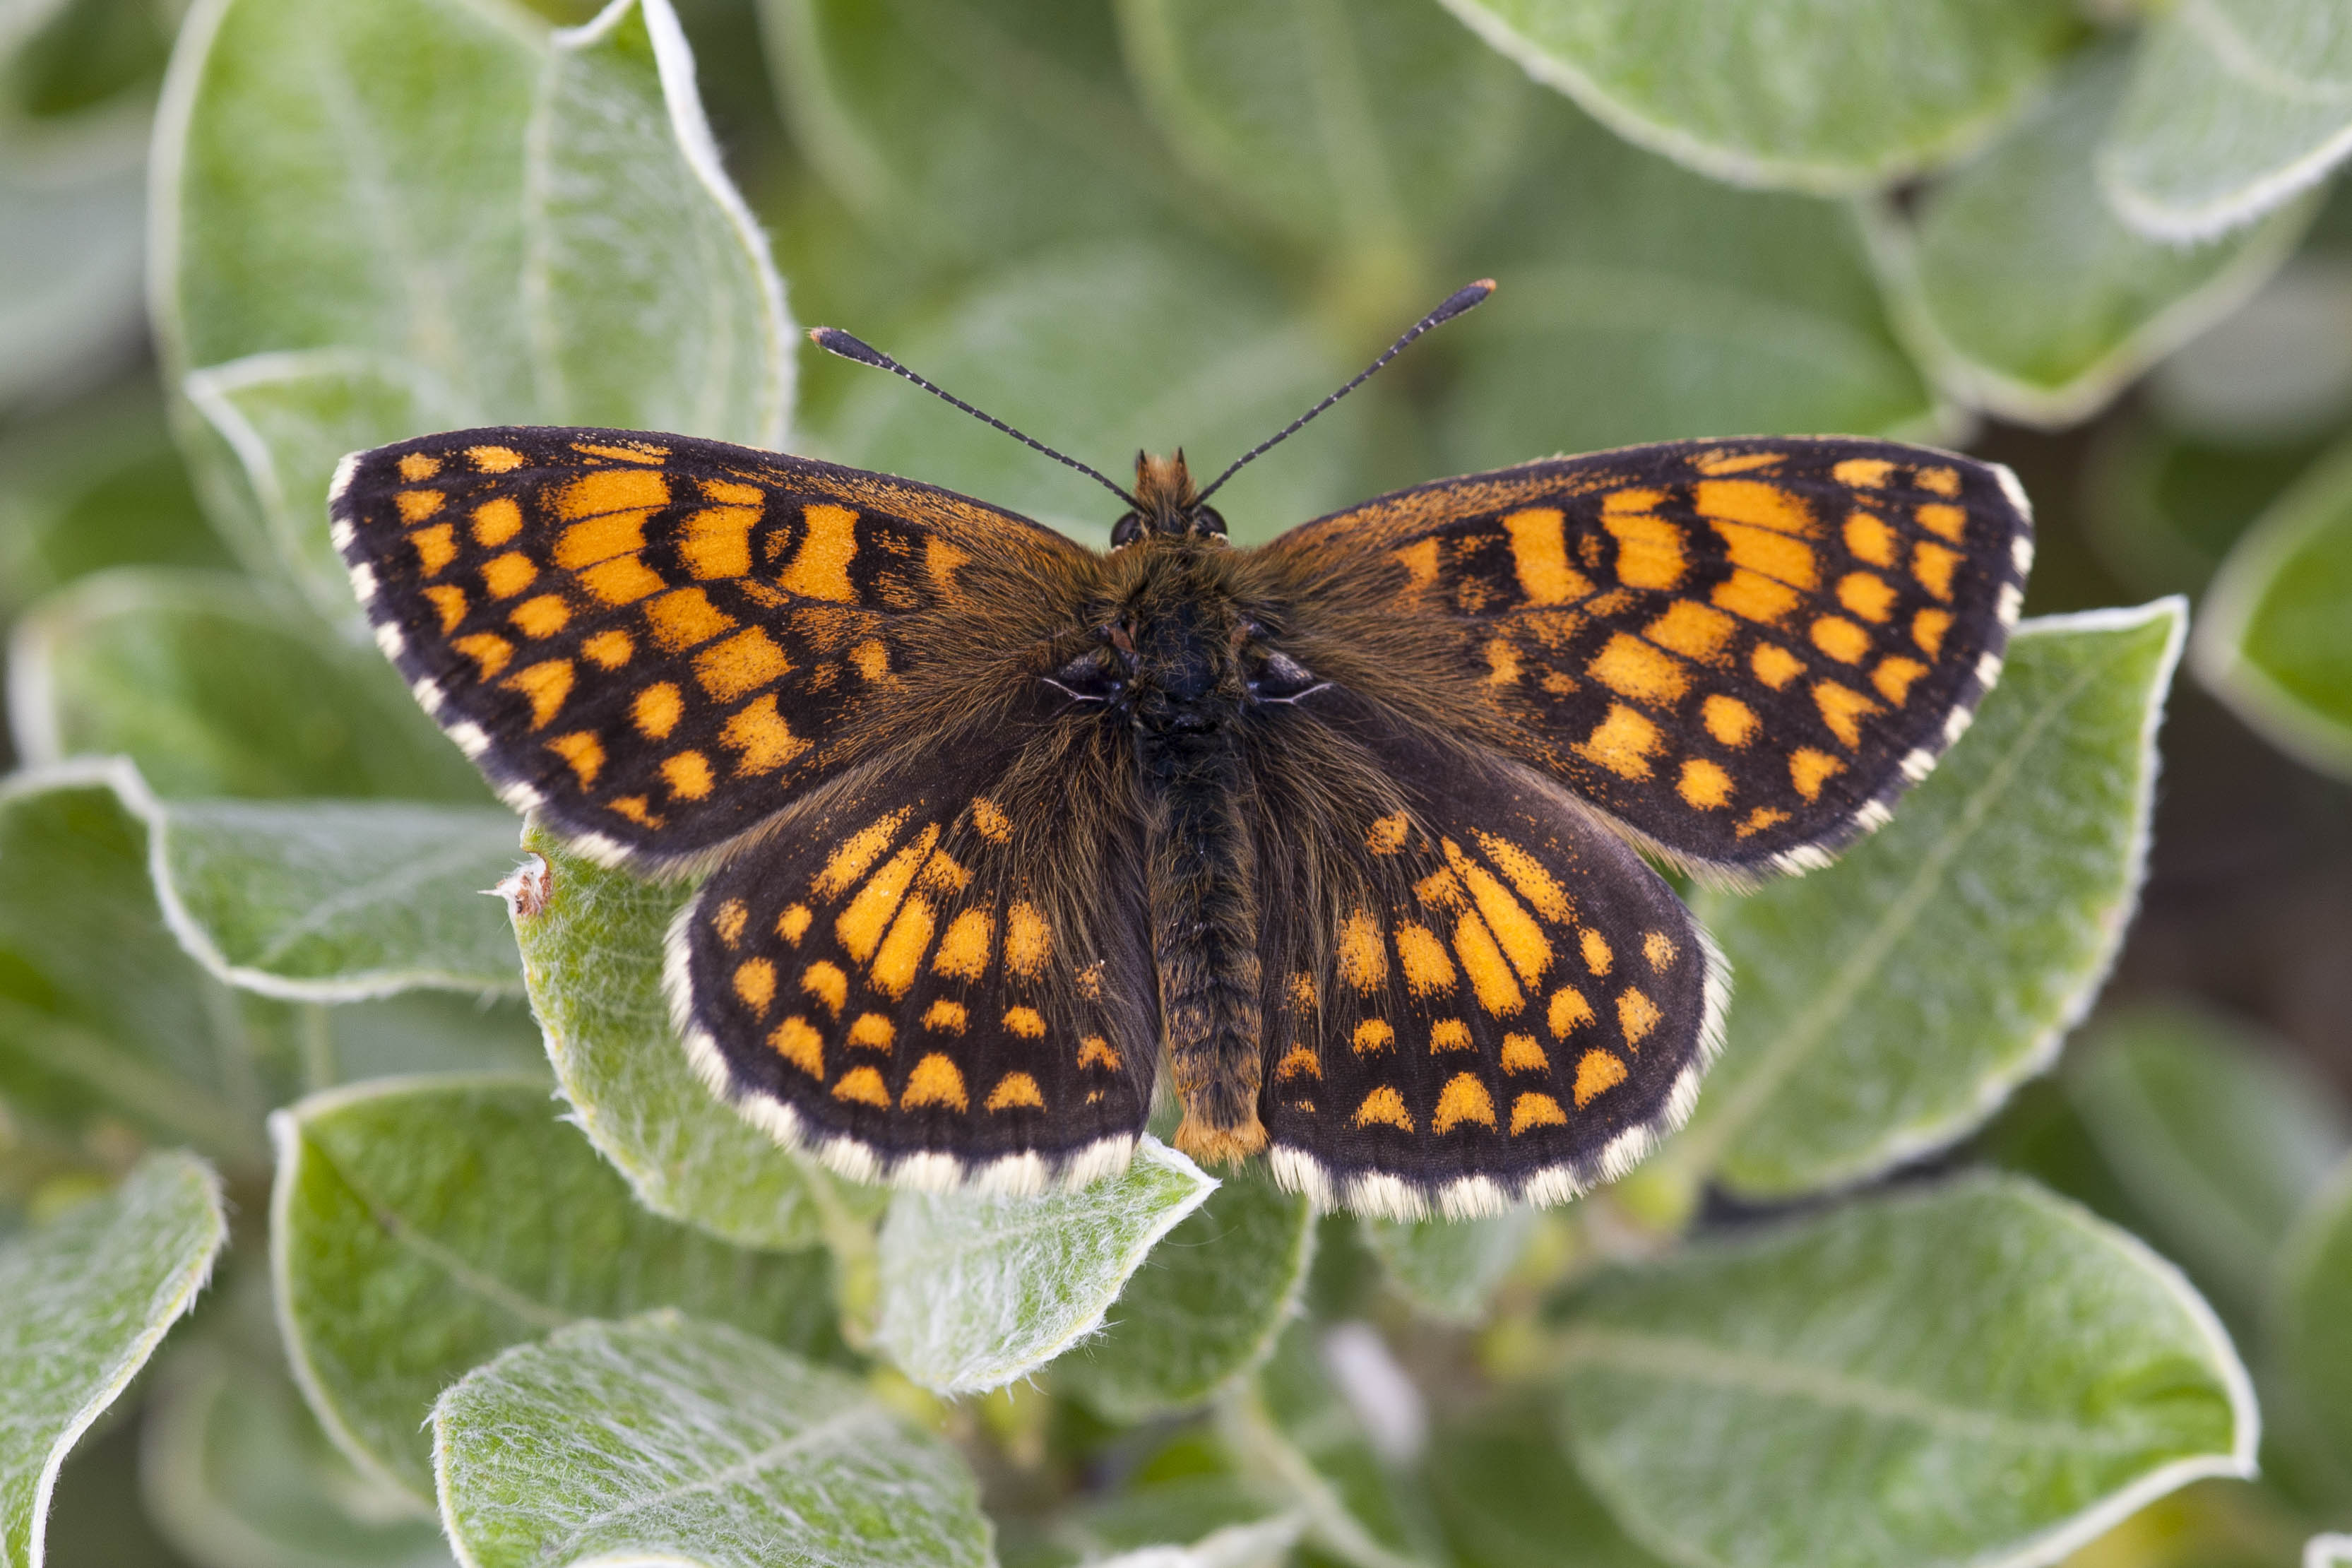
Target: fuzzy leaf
{"type": "Point", "coordinates": [1508, 1498]}
{"type": "Point", "coordinates": [2235, 107]}
{"type": "Point", "coordinates": [1976, 1372]}
{"type": "Point", "coordinates": [1372, 128]}
{"type": "Point", "coordinates": [710, 1449]}
{"type": "Point", "coordinates": [2276, 640]}
{"type": "Point", "coordinates": [215, 687]}
{"type": "Point", "coordinates": [978, 1291]}
{"type": "Point", "coordinates": [1888, 1004]}
{"type": "Point", "coordinates": [1449, 1269]}
{"type": "Point", "coordinates": [89, 1296]}
{"type": "Point", "coordinates": [593, 960]}
{"type": "Point", "coordinates": [1204, 1308]}
{"type": "Point", "coordinates": [1808, 95]}
{"type": "Point", "coordinates": [2216, 1140]}
{"type": "Point", "coordinates": [1623, 317]}
{"type": "Point", "coordinates": [421, 1225]}
{"type": "Point", "coordinates": [69, 268]}
{"type": "Point", "coordinates": [1260, 1543]}
{"type": "Point", "coordinates": [2030, 298]}
{"type": "Point", "coordinates": [2312, 1331]}
{"type": "Point", "coordinates": [384, 219]}
{"type": "Point", "coordinates": [1204, 360]}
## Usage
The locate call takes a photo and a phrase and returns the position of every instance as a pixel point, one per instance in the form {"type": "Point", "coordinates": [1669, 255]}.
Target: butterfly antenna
{"type": "Point", "coordinates": [833, 339]}
{"type": "Point", "coordinates": [1455, 303]}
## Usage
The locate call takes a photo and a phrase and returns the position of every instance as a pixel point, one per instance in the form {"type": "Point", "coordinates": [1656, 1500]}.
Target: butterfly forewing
{"type": "Point", "coordinates": [1481, 995]}
{"type": "Point", "coordinates": [906, 978]}
{"type": "Point", "coordinates": [654, 641]}
{"type": "Point", "coordinates": [1741, 650]}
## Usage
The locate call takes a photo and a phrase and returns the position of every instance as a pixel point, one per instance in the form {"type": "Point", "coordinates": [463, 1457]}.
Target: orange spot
{"type": "Point", "coordinates": [1775, 555]}
{"type": "Point", "coordinates": [1932, 565]}
{"type": "Point", "coordinates": [1703, 785]}
{"type": "Point", "coordinates": [1843, 708]}
{"type": "Point", "coordinates": [741, 665]}
{"type": "Point", "coordinates": [941, 874]}
{"type": "Point", "coordinates": [825, 981]}
{"type": "Point", "coordinates": [947, 1018]}
{"type": "Point", "coordinates": [436, 547]}
{"type": "Point", "coordinates": [1762, 817]}
{"type": "Point", "coordinates": [1752, 502]}
{"type": "Point", "coordinates": [1734, 462]}
{"type": "Point", "coordinates": [865, 1086]}
{"type": "Point", "coordinates": [1596, 1072]}
{"type": "Point", "coordinates": [634, 808]}
{"type": "Point", "coordinates": [1636, 1014]}
{"type": "Point", "coordinates": [1522, 1054]}
{"type": "Point", "coordinates": [450, 600]}
{"type": "Point", "coordinates": [1893, 678]}
{"type": "Point", "coordinates": [1754, 597]}
{"type": "Point", "coordinates": [1427, 971]}
{"type": "Point", "coordinates": [872, 659]}
{"type": "Point", "coordinates": [656, 710]}
{"type": "Point", "coordinates": [1632, 667]}
{"type": "Point", "coordinates": [1942, 482]}
{"type": "Point", "coordinates": [415, 506]}
{"type": "Point", "coordinates": [1449, 1034]}
{"type": "Point", "coordinates": [963, 951]}
{"type": "Point", "coordinates": [542, 615]}
{"type": "Point", "coordinates": [601, 491]}
{"type": "Point", "coordinates": [1866, 594]}
{"type": "Point", "coordinates": [688, 775]}
{"type": "Point", "coordinates": [1536, 1111]}
{"type": "Point", "coordinates": [988, 818]}
{"type": "Point", "coordinates": [1521, 939]}
{"type": "Point", "coordinates": [496, 522]}
{"type": "Point", "coordinates": [1862, 473]}
{"type": "Point", "coordinates": [686, 616]}
{"type": "Point", "coordinates": [635, 452]}
{"type": "Point", "coordinates": [1841, 639]}
{"type": "Point", "coordinates": [1527, 874]}
{"type": "Point", "coordinates": [1870, 539]}
{"type": "Point", "coordinates": [716, 542]}
{"type": "Point", "coordinates": [623, 581]}
{"type": "Point", "coordinates": [584, 751]}
{"type": "Point", "coordinates": [1094, 1051]}
{"type": "Point", "coordinates": [758, 732]}
{"type": "Point", "coordinates": [1025, 1022]}
{"type": "Point", "coordinates": [1731, 722]}
{"type": "Point", "coordinates": [1809, 769]}
{"type": "Point", "coordinates": [1420, 564]}
{"type": "Point", "coordinates": [934, 1082]}
{"type": "Point", "coordinates": [1441, 889]}
{"type": "Point", "coordinates": [1491, 980]}
{"type": "Point", "coordinates": [1659, 949]}
{"type": "Point", "coordinates": [1650, 550]}
{"type": "Point", "coordinates": [1568, 1009]}
{"type": "Point", "coordinates": [1774, 664]}
{"type": "Point", "coordinates": [1691, 629]}
{"type": "Point", "coordinates": [1386, 836]}
{"type": "Point", "coordinates": [547, 684]}
{"type": "Point", "coordinates": [729, 919]}
{"type": "Point", "coordinates": [728, 492]}
{"type": "Point", "coordinates": [494, 459]}
{"type": "Point", "coordinates": [863, 921]}
{"type": "Point", "coordinates": [508, 575]}
{"type": "Point", "coordinates": [609, 650]}
{"type": "Point", "coordinates": [793, 923]}
{"type": "Point", "coordinates": [1028, 940]}
{"type": "Point", "coordinates": [1015, 1089]}
{"type": "Point", "coordinates": [1297, 1062]}
{"type": "Point", "coordinates": [1502, 662]}
{"type": "Point", "coordinates": [820, 568]}
{"type": "Point", "coordinates": [1946, 522]}
{"type": "Point", "coordinates": [1385, 1106]}
{"type": "Point", "coordinates": [755, 982]}
{"type": "Point", "coordinates": [1621, 742]}
{"type": "Point", "coordinates": [1363, 957]}
{"type": "Point", "coordinates": [800, 1044]}
{"type": "Point", "coordinates": [873, 1031]}
{"type": "Point", "coordinates": [859, 850]}
{"type": "Point", "coordinates": [1927, 629]}
{"type": "Point", "coordinates": [1372, 1035]}
{"type": "Point", "coordinates": [418, 466]}
{"type": "Point", "coordinates": [1463, 1098]}
{"type": "Point", "coordinates": [1540, 555]}
{"type": "Point", "coordinates": [1597, 956]}
{"type": "Point", "coordinates": [600, 539]}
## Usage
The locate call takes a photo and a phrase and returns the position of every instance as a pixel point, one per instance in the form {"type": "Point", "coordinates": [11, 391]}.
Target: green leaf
{"type": "Point", "coordinates": [2277, 371]}
{"type": "Point", "coordinates": [2216, 1140]}
{"type": "Point", "coordinates": [978, 1291]}
{"type": "Point", "coordinates": [89, 1297]}
{"type": "Point", "coordinates": [979, 132]}
{"type": "Point", "coordinates": [1449, 1269]}
{"type": "Point", "coordinates": [2026, 294]}
{"type": "Point", "coordinates": [377, 220]}
{"type": "Point", "coordinates": [708, 1449]}
{"type": "Point", "coordinates": [1204, 1308]}
{"type": "Point", "coordinates": [237, 1473]}
{"type": "Point", "coordinates": [2311, 1330]}
{"type": "Point", "coordinates": [1507, 1498]}
{"type": "Point", "coordinates": [1624, 315]}
{"type": "Point", "coordinates": [214, 688]}
{"type": "Point", "coordinates": [592, 960]}
{"type": "Point", "coordinates": [1888, 1004]}
{"type": "Point", "coordinates": [1260, 1543]}
{"type": "Point", "coordinates": [1809, 95]}
{"type": "Point", "coordinates": [2162, 508]}
{"type": "Point", "coordinates": [1368, 129]}
{"type": "Point", "coordinates": [333, 901]}
{"type": "Point", "coordinates": [2275, 641]}
{"type": "Point", "coordinates": [419, 1225]}
{"type": "Point", "coordinates": [1101, 351]}
{"type": "Point", "coordinates": [1975, 1372]}
{"type": "Point", "coordinates": [2235, 106]}
{"type": "Point", "coordinates": [71, 241]}
{"type": "Point", "coordinates": [102, 1017]}
{"type": "Point", "coordinates": [419, 1031]}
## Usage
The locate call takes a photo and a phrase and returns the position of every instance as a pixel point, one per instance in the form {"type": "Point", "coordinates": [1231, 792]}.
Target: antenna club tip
{"type": "Point", "coordinates": [1484, 285]}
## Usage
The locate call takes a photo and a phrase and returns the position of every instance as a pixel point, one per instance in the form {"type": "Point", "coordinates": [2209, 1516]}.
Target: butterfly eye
{"type": "Point", "coordinates": [1208, 520]}
{"type": "Point", "coordinates": [1098, 675]}
{"type": "Point", "coordinates": [1127, 530]}
{"type": "Point", "coordinates": [1282, 679]}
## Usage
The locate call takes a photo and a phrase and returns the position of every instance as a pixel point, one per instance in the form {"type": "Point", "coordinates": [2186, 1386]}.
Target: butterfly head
{"type": "Point", "coordinates": [1167, 505]}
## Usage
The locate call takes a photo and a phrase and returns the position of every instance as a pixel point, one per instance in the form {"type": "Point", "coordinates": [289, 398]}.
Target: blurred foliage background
{"type": "Point", "coordinates": [2097, 242]}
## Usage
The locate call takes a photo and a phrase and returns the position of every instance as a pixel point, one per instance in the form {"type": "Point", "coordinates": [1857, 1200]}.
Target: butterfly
{"type": "Point", "coordinates": [1340, 839]}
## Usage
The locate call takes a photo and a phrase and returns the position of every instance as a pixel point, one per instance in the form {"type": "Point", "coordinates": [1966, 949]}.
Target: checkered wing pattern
{"type": "Point", "coordinates": [655, 642]}
{"type": "Point", "coordinates": [934, 972]}
{"type": "Point", "coordinates": [1481, 995]}
{"type": "Point", "coordinates": [1741, 650]}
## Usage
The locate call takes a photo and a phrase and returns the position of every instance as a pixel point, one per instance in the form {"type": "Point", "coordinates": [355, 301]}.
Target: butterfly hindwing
{"type": "Point", "coordinates": [933, 972]}
{"type": "Point", "coordinates": [653, 641]}
{"type": "Point", "coordinates": [1481, 995]}
{"type": "Point", "coordinates": [1742, 650]}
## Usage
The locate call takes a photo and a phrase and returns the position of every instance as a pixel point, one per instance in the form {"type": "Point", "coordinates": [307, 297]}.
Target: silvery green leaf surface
{"type": "Point", "coordinates": [1888, 1004]}
{"type": "Point", "coordinates": [2275, 639]}
{"type": "Point", "coordinates": [1974, 1372]}
{"type": "Point", "coordinates": [2311, 1328]}
{"type": "Point", "coordinates": [2235, 107]}
{"type": "Point", "coordinates": [90, 1294]}
{"type": "Point", "coordinates": [102, 1017]}
{"type": "Point", "coordinates": [2277, 371]}
{"type": "Point", "coordinates": [1260, 1543]}
{"type": "Point", "coordinates": [1446, 1268]}
{"type": "Point", "coordinates": [2026, 294]}
{"type": "Point", "coordinates": [710, 1449]}
{"type": "Point", "coordinates": [2217, 1134]}
{"type": "Point", "coordinates": [1808, 95]}
{"type": "Point", "coordinates": [331, 901]}
{"type": "Point", "coordinates": [418, 1225]}
{"type": "Point", "coordinates": [1100, 352]}
{"type": "Point", "coordinates": [377, 220]}
{"type": "Point", "coordinates": [2327, 1551]}
{"type": "Point", "coordinates": [2162, 508]}
{"type": "Point", "coordinates": [1205, 1306]}
{"type": "Point", "coordinates": [1372, 129]}
{"type": "Point", "coordinates": [71, 242]}
{"type": "Point", "coordinates": [236, 1473]}
{"type": "Point", "coordinates": [1627, 312]}
{"type": "Point", "coordinates": [978, 1291]}
{"type": "Point", "coordinates": [1507, 1498]}
{"type": "Point", "coordinates": [214, 686]}
{"type": "Point", "coordinates": [978, 132]}
{"type": "Point", "coordinates": [418, 1031]}
{"type": "Point", "coordinates": [593, 960]}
